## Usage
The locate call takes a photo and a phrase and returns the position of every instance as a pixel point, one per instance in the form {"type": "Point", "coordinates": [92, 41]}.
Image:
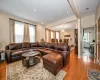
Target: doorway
{"type": "Point", "coordinates": [88, 42]}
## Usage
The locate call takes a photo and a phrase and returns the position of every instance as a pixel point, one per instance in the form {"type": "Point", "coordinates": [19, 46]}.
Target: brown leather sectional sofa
{"type": "Point", "coordinates": [56, 54]}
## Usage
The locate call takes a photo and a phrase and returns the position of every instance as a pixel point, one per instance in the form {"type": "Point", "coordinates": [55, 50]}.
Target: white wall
{"type": "Point", "coordinates": [88, 21]}
{"type": "Point", "coordinates": [68, 32]}
{"type": "Point", "coordinates": [5, 29]}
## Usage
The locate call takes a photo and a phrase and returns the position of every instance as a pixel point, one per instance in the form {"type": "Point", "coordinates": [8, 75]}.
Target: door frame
{"type": "Point", "coordinates": [97, 60]}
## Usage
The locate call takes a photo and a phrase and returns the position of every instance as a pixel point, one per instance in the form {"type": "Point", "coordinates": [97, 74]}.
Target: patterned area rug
{"type": "Point", "coordinates": [16, 71]}
{"type": "Point", "coordinates": [93, 74]}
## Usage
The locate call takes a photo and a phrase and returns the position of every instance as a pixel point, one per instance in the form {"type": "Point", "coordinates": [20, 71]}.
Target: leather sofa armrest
{"type": "Point", "coordinates": [8, 55]}
{"type": "Point", "coordinates": [66, 57]}
{"type": "Point", "coordinates": [69, 47]}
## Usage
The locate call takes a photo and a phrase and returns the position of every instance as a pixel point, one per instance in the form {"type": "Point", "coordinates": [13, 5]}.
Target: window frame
{"type": "Point", "coordinates": [34, 32]}
{"type": "Point", "coordinates": [15, 32]}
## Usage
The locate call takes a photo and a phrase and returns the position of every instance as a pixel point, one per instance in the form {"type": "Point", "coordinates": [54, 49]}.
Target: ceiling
{"type": "Point", "coordinates": [83, 4]}
{"type": "Point", "coordinates": [66, 26]}
{"type": "Point", "coordinates": [41, 11]}
{"type": "Point", "coordinates": [48, 11]}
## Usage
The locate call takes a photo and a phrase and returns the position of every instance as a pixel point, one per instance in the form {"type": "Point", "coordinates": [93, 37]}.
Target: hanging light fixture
{"type": "Point", "coordinates": [62, 29]}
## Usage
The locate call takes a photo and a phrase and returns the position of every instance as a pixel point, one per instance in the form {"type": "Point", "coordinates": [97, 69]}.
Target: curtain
{"type": "Point", "coordinates": [26, 33]}
{"type": "Point", "coordinates": [21, 32]}
{"type": "Point", "coordinates": [12, 32]}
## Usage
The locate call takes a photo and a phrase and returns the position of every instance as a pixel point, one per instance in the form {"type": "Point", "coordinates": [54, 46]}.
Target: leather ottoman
{"type": "Point", "coordinates": [53, 62]}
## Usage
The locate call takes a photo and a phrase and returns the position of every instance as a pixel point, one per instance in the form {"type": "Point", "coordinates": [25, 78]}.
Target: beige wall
{"type": "Point", "coordinates": [88, 21]}
{"type": "Point", "coordinates": [5, 29]}
{"type": "Point", "coordinates": [98, 12]}
{"type": "Point", "coordinates": [68, 32]}
{"type": "Point", "coordinates": [40, 33]}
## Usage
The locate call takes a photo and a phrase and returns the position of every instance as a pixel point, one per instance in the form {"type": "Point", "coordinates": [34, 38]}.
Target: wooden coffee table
{"type": "Point", "coordinates": [30, 58]}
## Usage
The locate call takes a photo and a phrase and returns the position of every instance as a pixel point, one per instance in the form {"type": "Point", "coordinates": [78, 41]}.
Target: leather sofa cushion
{"type": "Point", "coordinates": [34, 44]}
{"type": "Point", "coordinates": [12, 51]}
{"type": "Point", "coordinates": [41, 44]}
{"type": "Point", "coordinates": [47, 45]}
{"type": "Point", "coordinates": [15, 46]}
{"type": "Point", "coordinates": [17, 53]}
{"type": "Point", "coordinates": [53, 45]}
{"type": "Point", "coordinates": [53, 58]}
{"type": "Point", "coordinates": [62, 48]}
{"type": "Point", "coordinates": [26, 45]}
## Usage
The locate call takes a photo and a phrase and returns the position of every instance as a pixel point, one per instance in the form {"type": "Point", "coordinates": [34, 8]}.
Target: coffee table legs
{"type": "Point", "coordinates": [27, 63]}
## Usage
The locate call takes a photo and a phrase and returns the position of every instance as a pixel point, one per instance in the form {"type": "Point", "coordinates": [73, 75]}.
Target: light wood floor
{"type": "Point", "coordinates": [3, 71]}
{"type": "Point", "coordinates": [77, 68]}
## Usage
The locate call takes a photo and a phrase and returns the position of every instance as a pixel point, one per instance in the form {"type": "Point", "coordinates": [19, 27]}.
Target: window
{"type": "Point", "coordinates": [19, 32]}
{"type": "Point", "coordinates": [32, 33]}
{"type": "Point", "coordinates": [86, 37]}
{"type": "Point", "coordinates": [57, 35]}
{"type": "Point", "coordinates": [51, 34]}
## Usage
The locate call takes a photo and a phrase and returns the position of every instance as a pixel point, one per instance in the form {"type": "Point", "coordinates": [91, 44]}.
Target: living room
{"type": "Point", "coordinates": [45, 38]}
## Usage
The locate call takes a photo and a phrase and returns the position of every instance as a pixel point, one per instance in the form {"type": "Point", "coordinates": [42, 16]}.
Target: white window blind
{"type": "Point", "coordinates": [19, 32]}
{"type": "Point", "coordinates": [32, 33]}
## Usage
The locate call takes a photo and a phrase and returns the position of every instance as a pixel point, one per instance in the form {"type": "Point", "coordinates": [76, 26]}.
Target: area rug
{"type": "Point", "coordinates": [16, 71]}
{"type": "Point", "coordinates": [93, 74]}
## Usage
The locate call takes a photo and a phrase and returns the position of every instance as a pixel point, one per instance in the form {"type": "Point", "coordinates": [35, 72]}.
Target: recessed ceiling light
{"type": "Point", "coordinates": [67, 12]}
{"type": "Point", "coordinates": [84, 11]}
{"type": "Point", "coordinates": [34, 9]}
{"type": "Point", "coordinates": [87, 8]}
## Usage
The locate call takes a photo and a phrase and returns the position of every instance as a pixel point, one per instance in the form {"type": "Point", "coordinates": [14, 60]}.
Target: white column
{"type": "Point", "coordinates": [79, 38]}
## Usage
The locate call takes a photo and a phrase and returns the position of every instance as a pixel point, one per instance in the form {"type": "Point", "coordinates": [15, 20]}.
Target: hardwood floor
{"type": "Point", "coordinates": [77, 68]}
{"type": "Point", "coordinates": [3, 71]}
